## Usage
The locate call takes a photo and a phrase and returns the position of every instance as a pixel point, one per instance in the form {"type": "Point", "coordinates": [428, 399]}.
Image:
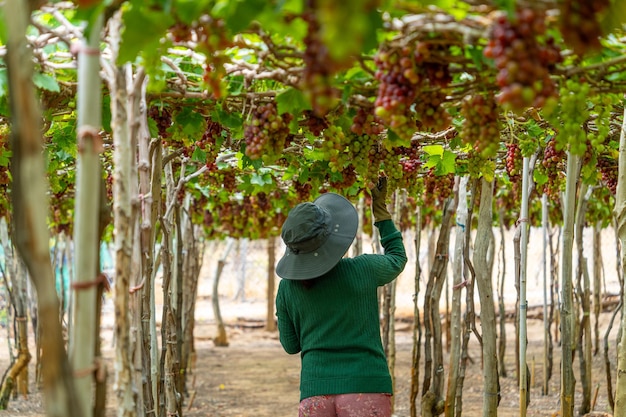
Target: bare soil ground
{"type": "Point", "coordinates": [255, 377]}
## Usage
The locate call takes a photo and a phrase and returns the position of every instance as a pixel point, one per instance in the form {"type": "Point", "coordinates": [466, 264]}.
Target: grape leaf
{"type": "Point", "coordinates": [189, 10]}
{"type": "Point", "coordinates": [46, 82]}
{"type": "Point", "coordinates": [239, 14]}
{"type": "Point", "coordinates": [143, 29]}
{"type": "Point", "coordinates": [292, 101]}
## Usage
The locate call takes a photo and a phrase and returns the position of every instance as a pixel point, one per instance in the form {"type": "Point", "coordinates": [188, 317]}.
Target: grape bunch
{"type": "Point", "coordinates": [214, 39]}
{"type": "Point", "coordinates": [437, 188]}
{"type": "Point", "coordinates": [319, 66]}
{"type": "Point", "coordinates": [348, 178]}
{"type": "Point", "coordinates": [569, 117]}
{"type": "Point", "coordinates": [335, 146]}
{"type": "Point", "coordinates": [431, 115]}
{"type": "Point", "coordinates": [366, 122]}
{"type": "Point", "coordinates": [397, 90]}
{"type": "Point", "coordinates": [481, 126]}
{"type": "Point", "coordinates": [163, 118]}
{"type": "Point", "coordinates": [435, 70]}
{"type": "Point", "coordinates": [553, 165]}
{"type": "Point", "coordinates": [315, 123]}
{"type": "Point", "coordinates": [580, 24]}
{"type": "Point", "coordinates": [364, 154]}
{"type": "Point", "coordinates": [523, 62]}
{"type": "Point", "coordinates": [514, 161]}
{"type": "Point", "coordinates": [267, 132]}
{"type": "Point", "coordinates": [303, 190]}
{"type": "Point", "coordinates": [602, 107]}
{"type": "Point", "coordinates": [608, 173]}
{"type": "Point", "coordinates": [211, 142]}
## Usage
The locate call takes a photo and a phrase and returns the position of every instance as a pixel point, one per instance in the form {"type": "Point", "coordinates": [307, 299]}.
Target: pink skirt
{"type": "Point", "coordinates": [346, 405]}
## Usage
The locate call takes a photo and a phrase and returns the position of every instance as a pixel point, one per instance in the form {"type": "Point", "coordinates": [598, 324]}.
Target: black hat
{"type": "Point", "coordinates": [317, 236]}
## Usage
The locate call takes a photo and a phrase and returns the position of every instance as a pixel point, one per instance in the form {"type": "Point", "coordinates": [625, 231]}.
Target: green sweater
{"type": "Point", "coordinates": [335, 322]}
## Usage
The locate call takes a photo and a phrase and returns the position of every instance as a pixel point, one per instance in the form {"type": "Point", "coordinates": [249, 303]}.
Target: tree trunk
{"type": "Point", "coordinates": [598, 271]}
{"type": "Point", "coordinates": [491, 393]}
{"type": "Point", "coordinates": [470, 317]}
{"type": "Point", "coordinates": [222, 338]}
{"type": "Point", "coordinates": [457, 286]}
{"type": "Point", "coordinates": [501, 304]}
{"type": "Point", "coordinates": [29, 204]}
{"type": "Point", "coordinates": [568, 380]}
{"type": "Point", "coordinates": [620, 214]}
{"type": "Point", "coordinates": [584, 297]}
{"type": "Point", "coordinates": [417, 328]}
{"type": "Point", "coordinates": [124, 157]}
{"type": "Point", "coordinates": [432, 322]}
{"type": "Point", "coordinates": [524, 385]}
{"type": "Point", "coordinates": [86, 209]}
{"type": "Point", "coordinates": [546, 301]}
{"type": "Point", "coordinates": [270, 318]}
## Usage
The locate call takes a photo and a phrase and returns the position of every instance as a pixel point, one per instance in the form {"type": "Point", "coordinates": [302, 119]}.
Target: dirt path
{"type": "Point", "coordinates": [255, 377]}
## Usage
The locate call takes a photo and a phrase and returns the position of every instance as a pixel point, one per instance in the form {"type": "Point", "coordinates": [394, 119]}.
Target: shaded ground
{"type": "Point", "coordinates": [254, 377]}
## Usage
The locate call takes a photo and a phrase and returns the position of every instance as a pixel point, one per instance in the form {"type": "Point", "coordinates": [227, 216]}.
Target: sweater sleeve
{"type": "Point", "coordinates": [394, 252]}
{"type": "Point", "coordinates": [286, 330]}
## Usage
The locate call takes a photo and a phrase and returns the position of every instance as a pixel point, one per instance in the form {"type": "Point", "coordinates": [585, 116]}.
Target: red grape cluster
{"type": "Point", "coordinates": [214, 40]}
{"type": "Point", "coordinates": [514, 161]}
{"type": "Point", "coordinates": [303, 190]}
{"type": "Point", "coordinates": [211, 142]}
{"type": "Point", "coordinates": [523, 62]}
{"type": "Point", "coordinates": [580, 24]}
{"type": "Point", "coordinates": [315, 123]}
{"type": "Point", "coordinates": [267, 132]}
{"type": "Point", "coordinates": [366, 122]}
{"type": "Point", "coordinates": [481, 126]}
{"type": "Point", "coordinates": [608, 173]}
{"type": "Point", "coordinates": [553, 165]}
{"type": "Point", "coordinates": [319, 66]}
{"type": "Point", "coordinates": [348, 178]}
{"type": "Point", "coordinates": [436, 71]}
{"type": "Point", "coordinates": [437, 188]}
{"type": "Point", "coordinates": [163, 118]}
{"type": "Point", "coordinates": [397, 90]}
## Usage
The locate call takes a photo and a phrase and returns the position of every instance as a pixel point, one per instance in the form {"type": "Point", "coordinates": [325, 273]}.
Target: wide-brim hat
{"type": "Point", "coordinates": [317, 235]}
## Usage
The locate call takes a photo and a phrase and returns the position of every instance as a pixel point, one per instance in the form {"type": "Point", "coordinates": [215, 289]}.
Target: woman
{"type": "Point", "coordinates": [327, 306]}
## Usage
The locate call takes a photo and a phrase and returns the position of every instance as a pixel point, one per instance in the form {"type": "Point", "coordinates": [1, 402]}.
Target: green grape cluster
{"type": "Point", "coordinates": [365, 156]}
{"type": "Point", "coordinates": [570, 116]}
{"type": "Point", "coordinates": [431, 115]}
{"type": "Point", "coordinates": [602, 107]}
{"type": "Point", "coordinates": [335, 147]}
{"type": "Point", "coordinates": [481, 126]}
{"type": "Point", "coordinates": [479, 166]}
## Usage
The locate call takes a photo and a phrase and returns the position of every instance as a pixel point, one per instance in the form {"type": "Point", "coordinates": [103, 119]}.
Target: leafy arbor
{"type": "Point", "coordinates": [217, 116]}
